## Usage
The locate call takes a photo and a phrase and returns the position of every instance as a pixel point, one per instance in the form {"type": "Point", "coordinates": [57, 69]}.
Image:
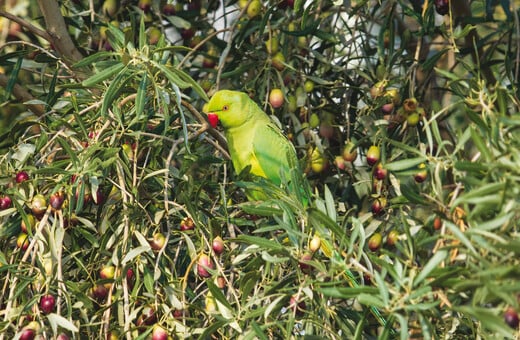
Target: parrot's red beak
{"type": "Point", "coordinates": [213, 119]}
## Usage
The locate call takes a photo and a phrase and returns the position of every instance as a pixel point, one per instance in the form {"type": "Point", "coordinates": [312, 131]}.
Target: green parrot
{"type": "Point", "coordinates": [253, 138]}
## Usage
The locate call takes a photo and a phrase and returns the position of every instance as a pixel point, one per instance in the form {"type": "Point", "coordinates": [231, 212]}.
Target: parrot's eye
{"type": "Point", "coordinates": [225, 108]}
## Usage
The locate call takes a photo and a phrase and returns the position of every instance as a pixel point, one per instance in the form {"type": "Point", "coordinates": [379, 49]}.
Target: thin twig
{"type": "Point", "coordinates": [126, 100]}
{"type": "Point", "coordinates": [28, 26]}
{"type": "Point", "coordinates": [199, 45]}
{"type": "Point", "coordinates": [228, 47]}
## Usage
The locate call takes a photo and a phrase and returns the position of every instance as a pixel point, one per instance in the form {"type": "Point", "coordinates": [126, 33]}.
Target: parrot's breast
{"type": "Point", "coordinates": [241, 148]}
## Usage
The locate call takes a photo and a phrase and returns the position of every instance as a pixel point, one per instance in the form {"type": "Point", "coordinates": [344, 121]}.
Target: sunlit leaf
{"type": "Point", "coordinates": [56, 321]}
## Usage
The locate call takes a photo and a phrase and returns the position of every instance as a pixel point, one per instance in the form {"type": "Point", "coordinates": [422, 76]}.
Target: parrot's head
{"type": "Point", "coordinates": [229, 108]}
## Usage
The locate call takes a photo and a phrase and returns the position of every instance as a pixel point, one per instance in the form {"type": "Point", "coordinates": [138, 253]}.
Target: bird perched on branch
{"type": "Point", "coordinates": [254, 140]}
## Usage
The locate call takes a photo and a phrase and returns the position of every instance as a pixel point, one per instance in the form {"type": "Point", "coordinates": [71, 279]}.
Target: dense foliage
{"type": "Point", "coordinates": [121, 216]}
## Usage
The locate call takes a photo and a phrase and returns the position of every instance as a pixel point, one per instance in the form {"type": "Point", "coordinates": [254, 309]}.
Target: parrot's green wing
{"type": "Point", "coordinates": [273, 154]}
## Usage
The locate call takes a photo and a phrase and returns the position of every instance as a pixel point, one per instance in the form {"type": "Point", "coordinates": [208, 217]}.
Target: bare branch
{"type": "Point", "coordinates": [28, 26]}
{"type": "Point", "coordinates": [58, 32]}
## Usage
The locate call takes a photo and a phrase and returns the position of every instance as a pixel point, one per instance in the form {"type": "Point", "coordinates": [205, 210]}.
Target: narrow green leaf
{"type": "Point", "coordinates": [112, 91]}
{"type": "Point", "coordinates": [462, 141]}
{"type": "Point", "coordinates": [447, 74]}
{"type": "Point", "coordinates": [194, 85]}
{"type": "Point", "coordinates": [184, 124]}
{"type": "Point", "coordinates": [218, 295]}
{"type": "Point", "coordinates": [484, 190]}
{"type": "Point", "coordinates": [56, 243]}
{"type": "Point", "coordinates": [261, 242]}
{"type": "Point", "coordinates": [132, 254]}
{"type": "Point", "coordinates": [347, 292]}
{"type": "Point", "coordinates": [460, 236]}
{"type": "Point", "coordinates": [80, 196]}
{"type": "Point", "coordinates": [21, 287]}
{"type": "Point", "coordinates": [486, 201]}
{"type": "Point", "coordinates": [214, 326]}
{"type": "Point", "coordinates": [329, 203]}
{"type": "Point", "coordinates": [181, 79]}
{"type": "Point", "coordinates": [405, 164]}
{"type": "Point", "coordinates": [495, 223]}
{"type": "Point", "coordinates": [261, 209]}
{"type": "Point", "coordinates": [258, 331]}
{"type": "Point", "coordinates": [370, 300]}
{"type": "Point", "coordinates": [178, 21]}
{"type": "Point", "coordinates": [459, 34]}
{"type": "Point", "coordinates": [148, 281]}
{"type": "Point", "coordinates": [141, 95]}
{"type": "Point", "coordinates": [358, 334]}
{"type": "Point", "coordinates": [481, 145]}
{"type": "Point", "coordinates": [6, 59]}
{"type": "Point", "coordinates": [248, 283]}
{"type": "Point", "coordinates": [406, 147]}
{"type": "Point", "coordinates": [12, 79]}
{"type": "Point", "coordinates": [412, 194]}
{"type": "Point", "coordinates": [383, 289]}
{"type": "Point", "coordinates": [87, 236]}
{"type": "Point", "coordinates": [403, 322]}
{"type": "Point", "coordinates": [157, 173]}
{"type": "Point", "coordinates": [298, 5]}
{"type": "Point", "coordinates": [142, 33]}
{"type": "Point", "coordinates": [434, 262]}
{"type": "Point", "coordinates": [6, 212]}
{"type": "Point", "coordinates": [320, 205]}
{"type": "Point", "coordinates": [265, 18]}
{"type": "Point", "coordinates": [431, 61]}
{"type": "Point", "coordinates": [477, 119]}
{"type": "Point", "coordinates": [273, 259]}
{"type": "Point", "coordinates": [66, 146]}
{"type": "Point", "coordinates": [488, 318]}
{"type": "Point", "coordinates": [326, 222]}
{"type": "Point", "coordinates": [171, 75]}
{"type": "Point", "coordinates": [116, 37]}
{"type": "Point", "coordinates": [357, 236]}
{"type": "Point", "coordinates": [192, 250]}
{"type": "Point", "coordinates": [57, 321]}
{"type": "Point", "coordinates": [422, 291]}
{"type": "Point", "coordinates": [475, 167]}
{"type": "Point", "coordinates": [103, 75]}
{"type": "Point", "coordinates": [96, 57]}
{"type": "Point", "coordinates": [52, 87]}
{"type": "Point", "coordinates": [269, 309]}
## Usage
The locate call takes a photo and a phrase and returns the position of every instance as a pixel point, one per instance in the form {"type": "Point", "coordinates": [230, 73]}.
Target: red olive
{"type": "Point", "coordinates": [47, 303]}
